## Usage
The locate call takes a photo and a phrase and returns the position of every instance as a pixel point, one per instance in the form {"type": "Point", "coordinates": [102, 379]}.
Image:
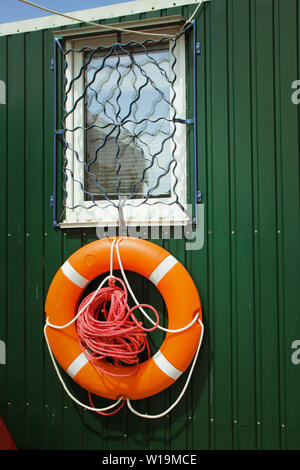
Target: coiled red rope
{"type": "Point", "coordinates": [109, 330]}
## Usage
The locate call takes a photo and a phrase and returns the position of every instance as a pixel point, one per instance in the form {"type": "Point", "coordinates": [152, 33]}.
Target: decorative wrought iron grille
{"type": "Point", "coordinates": [120, 129]}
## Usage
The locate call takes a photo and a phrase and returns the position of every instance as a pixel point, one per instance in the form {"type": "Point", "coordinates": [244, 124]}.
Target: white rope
{"type": "Point", "coordinates": [59, 327]}
{"type": "Point", "coordinates": [116, 245]}
{"type": "Point", "coordinates": [92, 23]}
{"type": "Point", "coordinates": [195, 12]}
{"type": "Point", "coordinates": [179, 330]}
{"type": "Point", "coordinates": [107, 27]}
{"type": "Point", "coordinates": [164, 413]}
{"type": "Point", "coordinates": [83, 405]}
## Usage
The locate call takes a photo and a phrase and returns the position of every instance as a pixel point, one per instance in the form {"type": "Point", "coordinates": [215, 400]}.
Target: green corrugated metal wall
{"type": "Point", "coordinates": [245, 388]}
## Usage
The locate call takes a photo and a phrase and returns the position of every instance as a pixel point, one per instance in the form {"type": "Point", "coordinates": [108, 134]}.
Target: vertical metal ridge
{"type": "Point", "coordinates": [255, 226]}
{"type": "Point", "coordinates": [15, 227]}
{"type": "Point", "coordinates": [26, 228]}
{"type": "Point", "coordinates": [53, 393]}
{"type": "Point", "coordinates": [44, 234]}
{"type": "Point", "coordinates": [231, 80]}
{"type": "Point", "coordinates": [209, 231]}
{"type": "Point", "coordinates": [239, 58]}
{"type": "Point", "coordinates": [265, 229]}
{"type": "Point", "coordinates": [278, 153]}
{"type": "Point", "coordinates": [33, 178]}
{"type": "Point", "coordinates": [4, 232]}
{"type": "Point", "coordinates": [210, 234]}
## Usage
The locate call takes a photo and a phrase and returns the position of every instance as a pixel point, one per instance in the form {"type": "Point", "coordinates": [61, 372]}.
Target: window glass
{"type": "Point", "coordinates": [129, 121]}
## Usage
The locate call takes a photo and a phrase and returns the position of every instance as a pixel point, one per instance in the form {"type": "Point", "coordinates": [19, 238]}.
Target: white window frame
{"type": "Point", "coordinates": [157, 211]}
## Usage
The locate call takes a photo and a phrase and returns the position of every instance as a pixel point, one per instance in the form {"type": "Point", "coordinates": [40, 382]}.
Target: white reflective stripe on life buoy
{"type": "Point", "coordinates": [162, 269]}
{"type": "Point", "coordinates": [74, 276]}
{"type": "Point", "coordinates": [166, 366]}
{"type": "Point", "coordinates": [77, 364]}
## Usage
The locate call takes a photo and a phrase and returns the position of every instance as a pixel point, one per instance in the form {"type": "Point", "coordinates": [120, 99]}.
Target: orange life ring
{"type": "Point", "coordinates": [178, 291]}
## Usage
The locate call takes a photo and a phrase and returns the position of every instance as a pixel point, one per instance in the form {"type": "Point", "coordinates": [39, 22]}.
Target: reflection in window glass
{"type": "Point", "coordinates": [129, 121]}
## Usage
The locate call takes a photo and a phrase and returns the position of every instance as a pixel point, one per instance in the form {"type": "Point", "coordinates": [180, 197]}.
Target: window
{"type": "Point", "coordinates": [124, 144]}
